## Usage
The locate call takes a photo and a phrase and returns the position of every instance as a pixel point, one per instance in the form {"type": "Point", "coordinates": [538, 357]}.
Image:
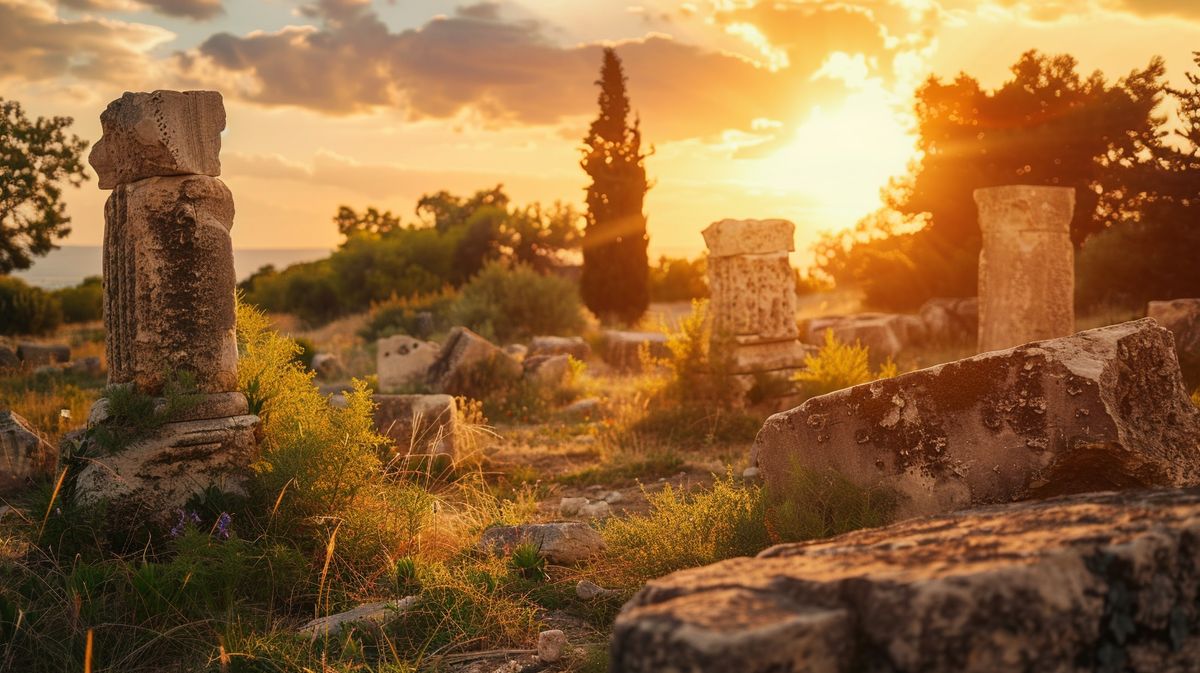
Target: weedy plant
{"type": "Point", "coordinates": [837, 365]}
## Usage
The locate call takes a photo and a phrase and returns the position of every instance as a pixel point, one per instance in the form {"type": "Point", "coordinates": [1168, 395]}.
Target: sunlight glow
{"type": "Point", "coordinates": [841, 157]}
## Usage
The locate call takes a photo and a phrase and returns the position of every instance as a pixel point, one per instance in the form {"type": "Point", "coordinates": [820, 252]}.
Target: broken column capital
{"type": "Point", "coordinates": [159, 134]}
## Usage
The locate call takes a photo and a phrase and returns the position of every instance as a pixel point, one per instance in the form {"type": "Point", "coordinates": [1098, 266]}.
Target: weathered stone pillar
{"type": "Point", "coordinates": [1027, 265]}
{"type": "Point", "coordinates": [752, 291]}
{"type": "Point", "coordinates": [169, 308]}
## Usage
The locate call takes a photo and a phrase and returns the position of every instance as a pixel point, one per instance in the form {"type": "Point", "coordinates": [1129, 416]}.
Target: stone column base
{"type": "Point", "coordinates": [157, 473]}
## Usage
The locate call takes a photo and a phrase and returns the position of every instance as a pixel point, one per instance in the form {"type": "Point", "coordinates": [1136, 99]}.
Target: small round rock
{"type": "Point", "coordinates": [551, 645]}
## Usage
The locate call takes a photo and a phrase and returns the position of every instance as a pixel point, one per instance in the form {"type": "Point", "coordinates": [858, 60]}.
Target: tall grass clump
{"type": "Point", "coordinates": [700, 401]}
{"type": "Point", "coordinates": [686, 530]}
{"type": "Point", "coordinates": [838, 365]}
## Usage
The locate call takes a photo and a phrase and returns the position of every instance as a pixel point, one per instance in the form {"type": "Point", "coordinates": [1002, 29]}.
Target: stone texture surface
{"type": "Point", "coordinates": [159, 134]}
{"type": "Point", "coordinates": [418, 424]}
{"type": "Point", "coordinates": [551, 645]}
{"type": "Point", "coordinates": [1026, 266]}
{"type": "Point", "coordinates": [621, 349]}
{"type": "Point", "coordinates": [154, 475]}
{"type": "Point", "coordinates": [731, 238]}
{"type": "Point", "coordinates": [950, 320]}
{"type": "Point", "coordinates": [169, 283]}
{"type": "Point", "coordinates": [551, 371]}
{"type": "Point", "coordinates": [753, 296]}
{"type": "Point", "coordinates": [23, 451]}
{"type": "Point", "coordinates": [1102, 409]}
{"type": "Point", "coordinates": [201, 408]}
{"type": "Point", "coordinates": [402, 361]}
{"type": "Point", "coordinates": [884, 334]}
{"type": "Point", "coordinates": [574, 346]}
{"type": "Point", "coordinates": [1094, 582]}
{"type": "Point", "coordinates": [465, 359]}
{"type": "Point", "coordinates": [1182, 318]}
{"type": "Point", "coordinates": [564, 542]}
{"type": "Point", "coordinates": [37, 355]}
{"type": "Point", "coordinates": [372, 615]}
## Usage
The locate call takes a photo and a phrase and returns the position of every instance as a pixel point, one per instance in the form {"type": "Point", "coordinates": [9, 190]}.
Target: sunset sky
{"type": "Point", "coordinates": [797, 109]}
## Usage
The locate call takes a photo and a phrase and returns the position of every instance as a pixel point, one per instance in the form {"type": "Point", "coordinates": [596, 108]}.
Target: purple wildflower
{"type": "Point", "coordinates": [184, 519]}
{"type": "Point", "coordinates": [223, 523]}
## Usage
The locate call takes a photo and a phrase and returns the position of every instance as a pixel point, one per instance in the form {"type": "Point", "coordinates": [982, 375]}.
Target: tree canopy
{"type": "Point", "coordinates": [615, 278]}
{"type": "Point", "coordinates": [1045, 125]}
{"type": "Point", "coordinates": [37, 157]}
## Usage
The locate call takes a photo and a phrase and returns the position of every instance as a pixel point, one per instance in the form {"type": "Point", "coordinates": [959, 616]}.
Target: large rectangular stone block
{"type": "Point", "coordinates": [1098, 410]}
{"type": "Point", "coordinates": [159, 134]}
{"type": "Point", "coordinates": [1078, 584]}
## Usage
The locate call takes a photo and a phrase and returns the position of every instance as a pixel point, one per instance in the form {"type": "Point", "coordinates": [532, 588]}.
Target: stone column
{"type": "Point", "coordinates": [752, 291]}
{"type": "Point", "coordinates": [169, 308]}
{"type": "Point", "coordinates": [1026, 266]}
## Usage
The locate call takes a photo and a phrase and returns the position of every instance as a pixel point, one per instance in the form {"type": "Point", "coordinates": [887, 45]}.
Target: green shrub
{"type": "Point", "coordinates": [401, 315]}
{"type": "Point", "coordinates": [84, 302]}
{"type": "Point", "coordinates": [515, 302]}
{"type": "Point", "coordinates": [27, 310]}
{"type": "Point", "coordinates": [1132, 263]}
{"type": "Point", "coordinates": [837, 365]}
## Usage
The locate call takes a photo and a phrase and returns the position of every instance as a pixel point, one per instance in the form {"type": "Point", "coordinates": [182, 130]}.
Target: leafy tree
{"type": "Point", "coordinates": [350, 223]}
{"type": "Point", "coordinates": [1046, 125]}
{"type": "Point", "coordinates": [36, 157]}
{"type": "Point", "coordinates": [1151, 253]}
{"type": "Point", "coordinates": [615, 279]}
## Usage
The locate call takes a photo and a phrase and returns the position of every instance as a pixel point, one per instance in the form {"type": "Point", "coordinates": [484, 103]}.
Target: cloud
{"type": "Point", "coordinates": [507, 71]}
{"type": "Point", "coordinates": [39, 45]}
{"type": "Point", "coordinates": [198, 10]}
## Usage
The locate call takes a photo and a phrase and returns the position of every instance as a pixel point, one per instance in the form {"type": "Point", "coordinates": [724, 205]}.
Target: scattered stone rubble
{"type": "Point", "coordinates": [1105, 408]}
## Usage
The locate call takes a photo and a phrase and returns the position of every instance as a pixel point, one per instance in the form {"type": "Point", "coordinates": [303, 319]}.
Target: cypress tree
{"type": "Point", "coordinates": [615, 279]}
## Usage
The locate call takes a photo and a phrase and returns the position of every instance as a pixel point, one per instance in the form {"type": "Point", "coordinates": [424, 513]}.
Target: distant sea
{"type": "Point", "coordinates": [72, 263]}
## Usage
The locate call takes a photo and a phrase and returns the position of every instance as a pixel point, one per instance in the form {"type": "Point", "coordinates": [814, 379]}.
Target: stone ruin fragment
{"type": "Point", "coordinates": [169, 312]}
{"type": "Point", "coordinates": [1026, 265]}
{"type": "Point", "coordinates": [752, 292]}
{"type": "Point", "coordinates": [1099, 410]}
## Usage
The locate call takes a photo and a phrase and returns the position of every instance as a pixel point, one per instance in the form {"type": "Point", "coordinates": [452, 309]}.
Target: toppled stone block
{"type": "Point", "coordinates": [622, 349]}
{"type": "Point", "coordinates": [588, 590]}
{"type": "Point", "coordinates": [1101, 409]}
{"type": "Point", "coordinates": [467, 362]}
{"type": "Point", "coordinates": [551, 371]}
{"type": "Point", "coordinates": [1102, 581]}
{"type": "Point", "coordinates": [517, 351]}
{"type": "Point", "coordinates": [564, 542]}
{"type": "Point", "coordinates": [169, 283]}
{"type": "Point", "coordinates": [884, 334]}
{"type": "Point", "coordinates": [574, 346]}
{"type": "Point", "coordinates": [1182, 318]}
{"type": "Point", "coordinates": [159, 134]}
{"type": "Point", "coordinates": [731, 238]}
{"type": "Point", "coordinates": [950, 320]}
{"type": "Point", "coordinates": [155, 475]}
{"type": "Point", "coordinates": [402, 361]}
{"type": "Point", "coordinates": [328, 367]}
{"type": "Point", "coordinates": [418, 424]}
{"type": "Point", "coordinates": [39, 355]}
{"type": "Point", "coordinates": [23, 451]}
